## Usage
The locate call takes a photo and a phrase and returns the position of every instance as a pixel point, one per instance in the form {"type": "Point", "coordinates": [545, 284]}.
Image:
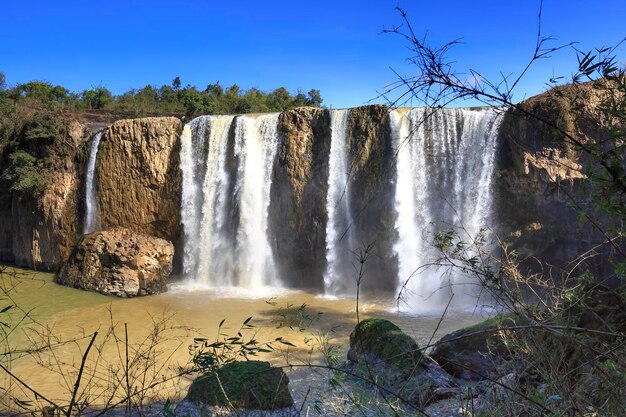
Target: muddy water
{"type": "Point", "coordinates": [57, 314]}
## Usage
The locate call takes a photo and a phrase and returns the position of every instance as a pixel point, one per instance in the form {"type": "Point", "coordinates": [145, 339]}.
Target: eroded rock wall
{"type": "Point", "coordinates": [138, 176]}
{"type": "Point", "coordinates": [297, 212]}
{"type": "Point", "coordinates": [40, 233]}
{"type": "Point", "coordinates": [372, 175]}
{"type": "Point", "coordinates": [542, 197]}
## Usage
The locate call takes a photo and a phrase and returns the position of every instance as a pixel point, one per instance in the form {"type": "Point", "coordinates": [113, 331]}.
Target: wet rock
{"type": "Point", "coordinates": [138, 176]}
{"type": "Point", "coordinates": [297, 213]}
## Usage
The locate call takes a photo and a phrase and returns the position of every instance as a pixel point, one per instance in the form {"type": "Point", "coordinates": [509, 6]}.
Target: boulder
{"type": "Point", "coordinates": [475, 352]}
{"type": "Point", "coordinates": [119, 262]}
{"type": "Point", "coordinates": [382, 350]}
{"type": "Point", "coordinates": [383, 340]}
{"type": "Point", "coordinates": [243, 384]}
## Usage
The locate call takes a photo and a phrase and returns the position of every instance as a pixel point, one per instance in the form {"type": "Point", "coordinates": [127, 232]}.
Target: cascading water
{"type": "Point", "coordinates": [444, 173]}
{"type": "Point", "coordinates": [256, 143]}
{"type": "Point", "coordinates": [203, 149]}
{"type": "Point", "coordinates": [224, 210]}
{"type": "Point", "coordinates": [445, 163]}
{"type": "Point", "coordinates": [91, 215]}
{"type": "Point", "coordinates": [339, 233]}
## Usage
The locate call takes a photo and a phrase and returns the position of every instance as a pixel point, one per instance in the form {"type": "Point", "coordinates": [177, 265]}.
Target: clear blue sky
{"type": "Point", "coordinates": [335, 46]}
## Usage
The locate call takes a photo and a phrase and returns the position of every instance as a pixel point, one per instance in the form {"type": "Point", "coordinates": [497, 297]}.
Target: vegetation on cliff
{"type": "Point", "coordinates": [174, 99]}
{"type": "Point", "coordinates": [35, 115]}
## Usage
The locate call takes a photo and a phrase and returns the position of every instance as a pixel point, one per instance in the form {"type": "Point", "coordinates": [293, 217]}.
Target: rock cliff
{"type": "Point", "coordinates": [298, 196]}
{"type": "Point", "coordinates": [40, 233]}
{"type": "Point", "coordinates": [138, 176]}
{"type": "Point", "coordinates": [139, 186]}
{"type": "Point", "coordinates": [372, 172]}
{"type": "Point", "coordinates": [539, 190]}
{"type": "Point", "coordinates": [298, 214]}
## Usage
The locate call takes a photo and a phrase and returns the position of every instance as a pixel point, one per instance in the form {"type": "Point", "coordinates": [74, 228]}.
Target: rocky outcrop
{"type": "Point", "coordinates": [138, 176]}
{"type": "Point", "coordinates": [41, 232]}
{"type": "Point", "coordinates": [539, 192]}
{"type": "Point", "coordinates": [297, 212]}
{"type": "Point", "coordinates": [243, 384]}
{"type": "Point", "coordinates": [119, 262]}
{"type": "Point", "coordinates": [372, 192]}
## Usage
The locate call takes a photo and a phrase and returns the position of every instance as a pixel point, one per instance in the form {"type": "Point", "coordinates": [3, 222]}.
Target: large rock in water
{"type": "Point", "coordinates": [138, 176]}
{"type": "Point", "coordinates": [119, 262]}
{"type": "Point", "coordinates": [476, 352]}
{"type": "Point", "coordinates": [380, 348]}
{"type": "Point", "coordinates": [247, 384]}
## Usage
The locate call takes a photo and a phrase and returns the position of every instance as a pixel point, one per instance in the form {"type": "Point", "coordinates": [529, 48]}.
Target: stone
{"type": "Point", "coordinates": [540, 173]}
{"type": "Point", "coordinates": [41, 232]}
{"type": "Point", "coordinates": [381, 349]}
{"type": "Point", "coordinates": [247, 384]}
{"type": "Point", "coordinates": [385, 341]}
{"type": "Point", "coordinates": [119, 262]}
{"type": "Point", "coordinates": [475, 352]}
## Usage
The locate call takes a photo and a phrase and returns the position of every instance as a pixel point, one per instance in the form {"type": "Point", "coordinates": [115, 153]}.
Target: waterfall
{"type": "Point", "coordinates": [339, 233]}
{"type": "Point", "coordinates": [443, 179]}
{"type": "Point", "coordinates": [224, 207]}
{"type": "Point", "coordinates": [445, 163]}
{"type": "Point", "coordinates": [256, 143]}
{"type": "Point", "coordinates": [91, 214]}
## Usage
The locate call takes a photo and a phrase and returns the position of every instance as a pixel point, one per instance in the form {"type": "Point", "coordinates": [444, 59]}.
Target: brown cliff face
{"type": "Point", "coordinates": [138, 176]}
{"type": "Point", "coordinates": [372, 173]}
{"type": "Point", "coordinates": [297, 212]}
{"type": "Point", "coordinates": [41, 233]}
{"type": "Point", "coordinates": [540, 173]}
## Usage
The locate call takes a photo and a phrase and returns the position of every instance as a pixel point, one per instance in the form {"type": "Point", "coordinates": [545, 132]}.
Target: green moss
{"type": "Point", "coordinates": [501, 319]}
{"type": "Point", "coordinates": [247, 384]}
{"type": "Point", "coordinates": [386, 341]}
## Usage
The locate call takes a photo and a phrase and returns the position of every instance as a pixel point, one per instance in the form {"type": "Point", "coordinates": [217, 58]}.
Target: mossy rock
{"type": "Point", "coordinates": [475, 351]}
{"type": "Point", "coordinates": [385, 341]}
{"type": "Point", "coordinates": [379, 347]}
{"type": "Point", "coordinates": [247, 384]}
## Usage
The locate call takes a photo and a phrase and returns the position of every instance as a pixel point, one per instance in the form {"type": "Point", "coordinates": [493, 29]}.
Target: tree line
{"type": "Point", "coordinates": [174, 99]}
{"type": "Point", "coordinates": [33, 115]}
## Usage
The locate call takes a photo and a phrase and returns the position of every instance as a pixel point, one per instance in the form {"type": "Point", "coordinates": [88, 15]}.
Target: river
{"type": "Point", "coordinates": [160, 330]}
